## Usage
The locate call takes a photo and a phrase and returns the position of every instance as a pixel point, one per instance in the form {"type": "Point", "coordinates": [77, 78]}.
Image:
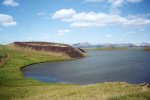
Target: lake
{"type": "Point", "coordinates": [132, 66]}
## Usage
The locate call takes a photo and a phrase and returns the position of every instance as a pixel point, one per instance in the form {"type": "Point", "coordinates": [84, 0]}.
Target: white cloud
{"type": "Point", "coordinates": [108, 35]}
{"type": "Point", "coordinates": [115, 5]}
{"type": "Point", "coordinates": [92, 1]}
{"type": "Point", "coordinates": [92, 19]}
{"type": "Point", "coordinates": [64, 13]}
{"type": "Point", "coordinates": [113, 2]}
{"type": "Point", "coordinates": [41, 13]}
{"type": "Point", "coordinates": [142, 29]}
{"type": "Point", "coordinates": [11, 3]}
{"type": "Point", "coordinates": [29, 38]}
{"type": "Point", "coordinates": [7, 20]}
{"type": "Point", "coordinates": [62, 32]}
{"type": "Point", "coordinates": [45, 36]}
{"type": "Point", "coordinates": [134, 1]}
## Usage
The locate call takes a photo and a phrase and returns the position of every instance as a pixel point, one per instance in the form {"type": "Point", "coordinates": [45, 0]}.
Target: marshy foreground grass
{"type": "Point", "coordinates": [13, 85]}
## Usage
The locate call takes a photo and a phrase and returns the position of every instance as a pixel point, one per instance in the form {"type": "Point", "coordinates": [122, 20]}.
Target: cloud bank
{"type": "Point", "coordinates": [11, 3]}
{"type": "Point", "coordinates": [63, 32]}
{"type": "Point", "coordinates": [7, 20]}
{"type": "Point", "coordinates": [93, 19]}
{"type": "Point", "coordinates": [115, 5]}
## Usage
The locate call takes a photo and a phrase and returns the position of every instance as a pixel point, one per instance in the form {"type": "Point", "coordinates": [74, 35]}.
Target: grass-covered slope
{"type": "Point", "coordinates": [3, 55]}
{"type": "Point", "coordinates": [147, 48]}
{"type": "Point", "coordinates": [54, 48]}
{"type": "Point", "coordinates": [14, 86]}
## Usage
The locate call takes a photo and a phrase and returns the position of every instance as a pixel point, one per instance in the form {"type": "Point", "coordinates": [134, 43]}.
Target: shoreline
{"type": "Point", "coordinates": [13, 84]}
{"type": "Point", "coordinates": [51, 61]}
{"type": "Point", "coordinates": [67, 83]}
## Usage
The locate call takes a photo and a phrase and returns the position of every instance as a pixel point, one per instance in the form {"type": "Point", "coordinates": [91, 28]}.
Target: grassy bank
{"type": "Point", "coordinates": [14, 86]}
{"type": "Point", "coordinates": [3, 55]}
{"type": "Point", "coordinates": [147, 48]}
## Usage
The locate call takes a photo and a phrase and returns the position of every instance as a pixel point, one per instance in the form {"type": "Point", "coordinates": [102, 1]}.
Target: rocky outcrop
{"type": "Point", "coordinates": [53, 47]}
{"type": "Point", "coordinates": [81, 50]}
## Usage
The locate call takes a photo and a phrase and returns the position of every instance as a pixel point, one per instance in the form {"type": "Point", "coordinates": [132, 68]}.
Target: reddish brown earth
{"type": "Point", "coordinates": [53, 47]}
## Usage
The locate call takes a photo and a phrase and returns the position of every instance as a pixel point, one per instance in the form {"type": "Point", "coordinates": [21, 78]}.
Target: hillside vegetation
{"type": "Point", "coordinates": [147, 48]}
{"type": "Point", "coordinates": [13, 85]}
{"type": "Point", "coordinates": [3, 55]}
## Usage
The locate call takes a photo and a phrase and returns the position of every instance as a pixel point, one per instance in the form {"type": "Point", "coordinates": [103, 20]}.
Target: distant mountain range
{"type": "Point", "coordinates": [83, 45]}
{"type": "Point", "coordinates": [88, 45]}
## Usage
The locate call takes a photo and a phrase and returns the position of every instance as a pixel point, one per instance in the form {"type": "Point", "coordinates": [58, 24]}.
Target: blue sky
{"type": "Point", "coordinates": [74, 21]}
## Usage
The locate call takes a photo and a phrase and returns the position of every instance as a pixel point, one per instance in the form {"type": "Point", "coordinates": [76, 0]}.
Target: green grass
{"type": "Point", "coordinates": [139, 96]}
{"type": "Point", "coordinates": [14, 86]}
{"type": "Point", "coordinates": [2, 52]}
{"type": "Point", "coordinates": [3, 55]}
{"type": "Point", "coordinates": [147, 48]}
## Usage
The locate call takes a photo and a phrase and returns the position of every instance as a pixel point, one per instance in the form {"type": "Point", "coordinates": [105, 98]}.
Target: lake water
{"type": "Point", "coordinates": [132, 66]}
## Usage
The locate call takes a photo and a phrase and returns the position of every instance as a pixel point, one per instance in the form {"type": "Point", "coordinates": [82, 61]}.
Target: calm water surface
{"type": "Point", "coordinates": [100, 66]}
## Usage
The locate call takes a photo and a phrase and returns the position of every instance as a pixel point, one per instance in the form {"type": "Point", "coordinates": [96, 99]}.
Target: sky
{"type": "Point", "coordinates": [75, 21]}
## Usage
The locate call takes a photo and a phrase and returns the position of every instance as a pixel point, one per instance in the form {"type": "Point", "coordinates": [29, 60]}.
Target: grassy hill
{"type": "Point", "coordinates": [13, 85]}
{"type": "Point", "coordinates": [53, 48]}
{"type": "Point", "coordinates": [3, 55]}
